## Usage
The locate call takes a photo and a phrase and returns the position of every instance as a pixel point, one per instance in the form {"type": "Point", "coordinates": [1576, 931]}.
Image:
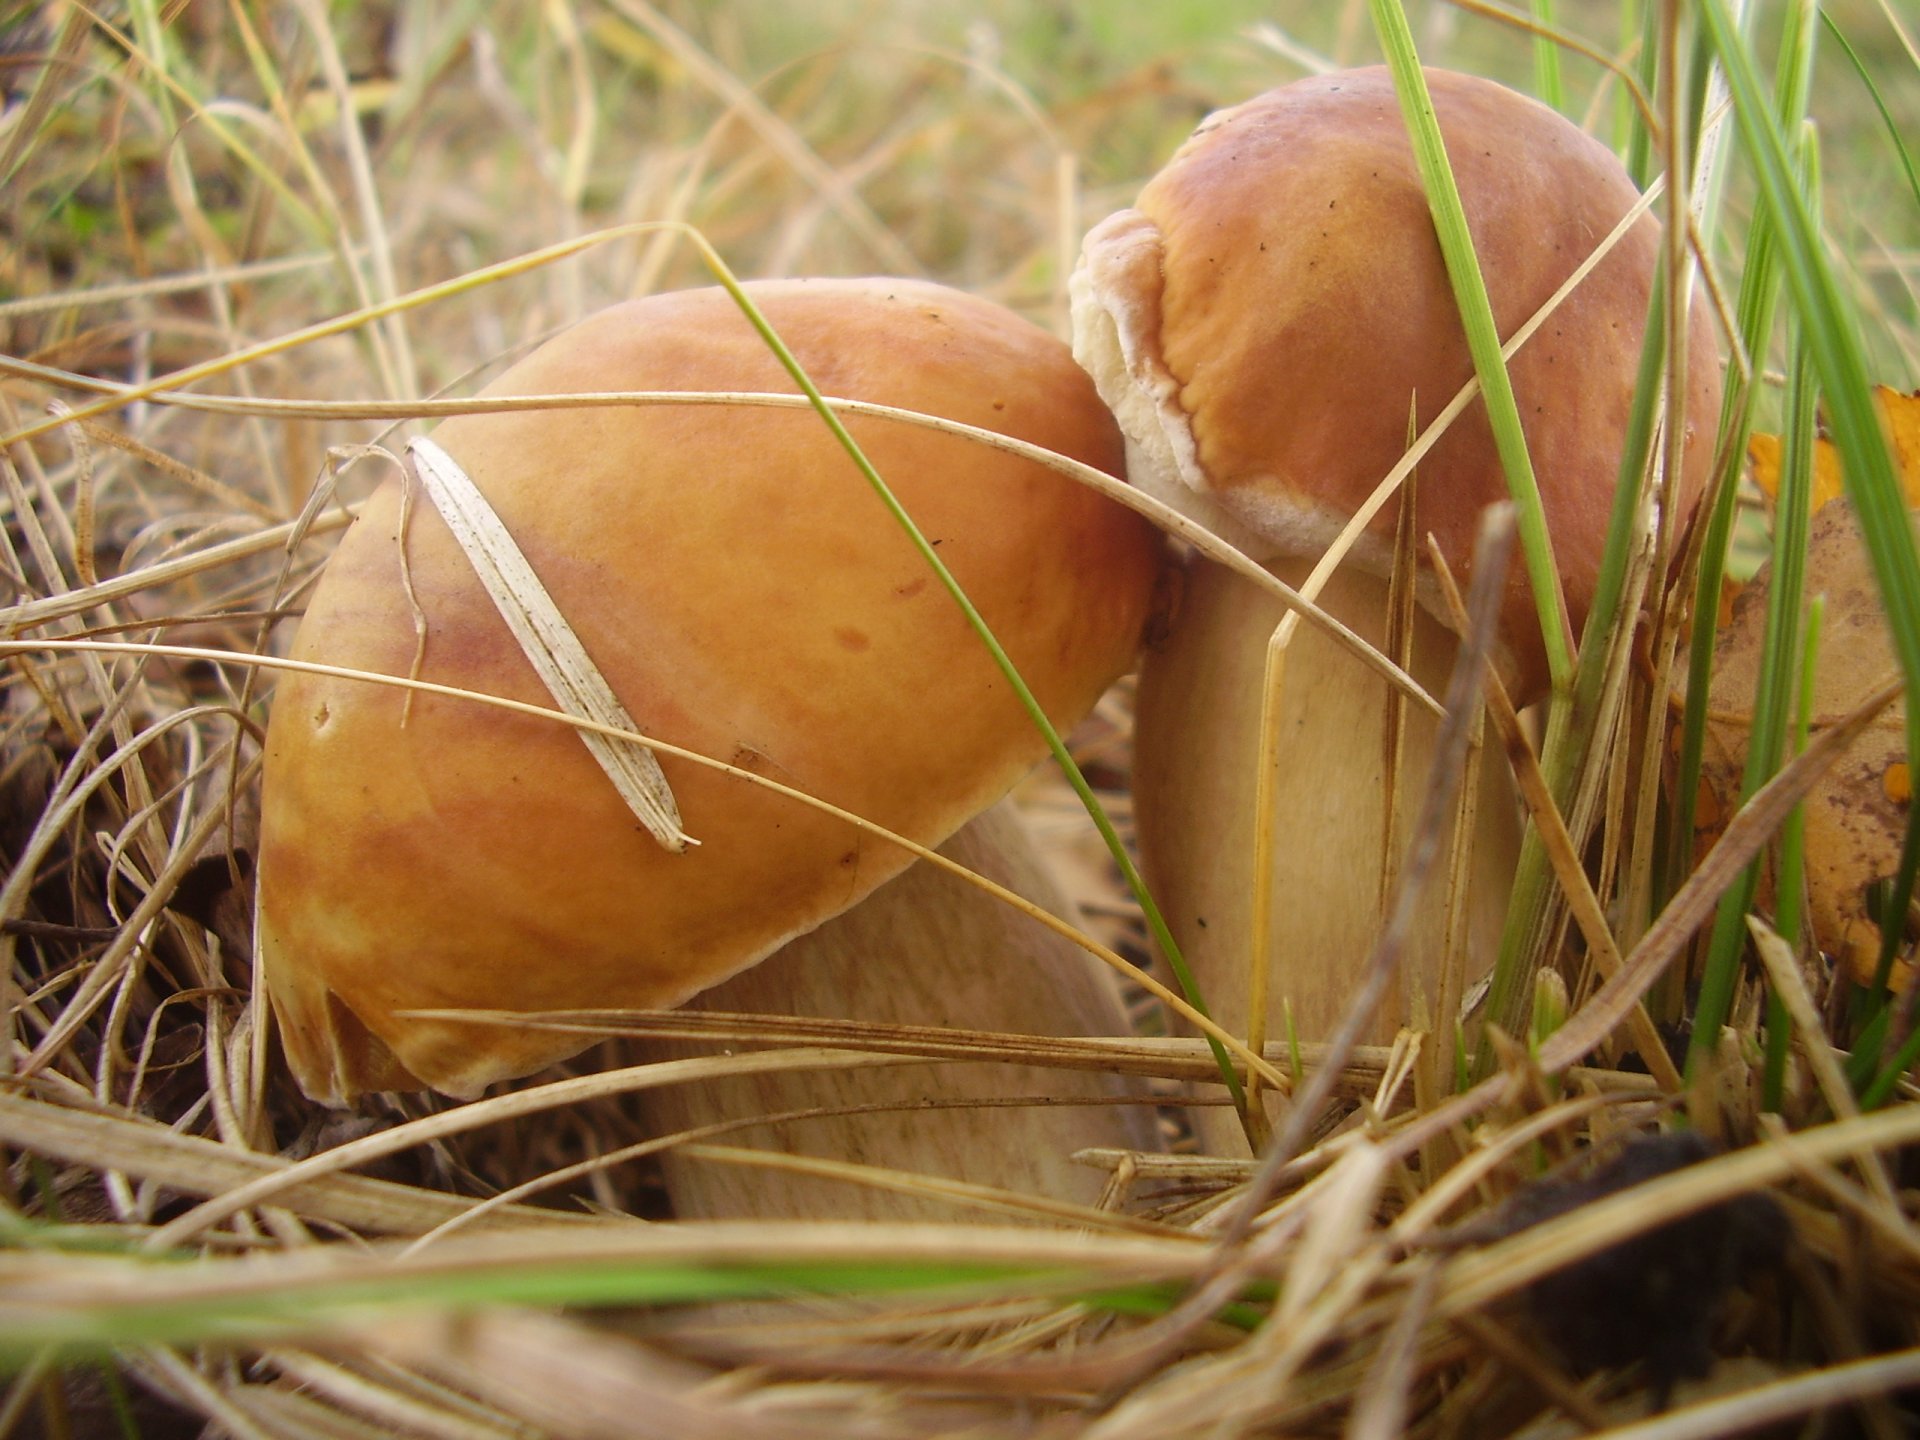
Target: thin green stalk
{"type": "Point", "coordinates": [1832, 338]}
{"type": "Point", "coordinates": [1512, 985]}
{"type": "Point", "coordinates": [1775, 684]}
{"type": "Point", "coordinates": [1547, 86]}
{"type": "Point", "coordinates": [1156, 923]}
{"type": "Point", "coordinates": [1757, 306]}
{"type": "Point", "coordinates": [1880, 103]}
{"type": "Point", "coordinates": [1892, 1071]}
{"type": "Point", "coordinates": [1483, 335]}
{"type": "Point", "coordinates": [1623, 530]}
{"type": "Point", "coordinates": [1793, 867]}
{"type": "Point", "coordinates": [1644, 38]}
{"type": "Point", "coordinates": [152, 1309]}
{"type": "Point", "coordinates": [1571, 727]}
{"type": "Point", "coordinates": [1832, 333]}
{"type": "Point", "coordinates": [1872, 1026]}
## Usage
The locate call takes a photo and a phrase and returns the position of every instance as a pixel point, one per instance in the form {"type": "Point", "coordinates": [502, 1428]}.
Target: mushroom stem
{"type": "Point", "coordinates": [1197, 725]}
{"type": "Point", "coordinates": [927, 948]}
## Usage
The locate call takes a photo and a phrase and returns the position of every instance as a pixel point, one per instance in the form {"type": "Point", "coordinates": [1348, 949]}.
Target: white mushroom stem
{"type": "Point", "coordinates": [927, 948]}
{"type": "Point", "coordinates": [1197, 738]}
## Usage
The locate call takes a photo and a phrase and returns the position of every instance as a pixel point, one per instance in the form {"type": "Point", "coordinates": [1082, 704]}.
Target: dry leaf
{"type": "Point", "coordinates": [1856, 817]}
{"type": "Point", "coordinates": [1899, 414]}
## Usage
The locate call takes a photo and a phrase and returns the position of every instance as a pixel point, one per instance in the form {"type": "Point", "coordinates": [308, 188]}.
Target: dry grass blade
{"type": "Point", "coordinates": [1568, 868]}
{"type": "Point", "coordinates": [171, 1374]}
{"type": "Point", "coordinates": [31, 614]}
{"type": "Point", "coordinates": [1167, 1057]}
{"type": "Point", "coordinates": [1381, 1413]}
{"type": "Point", "coordinates": [1161, 514]}
{"type": "Point", "coordinates": [981, 1197]}
{"type": "Point", "coordinates": [194, 1166]}
{"type": "Point", "coordinates": [1813, 1394]}
{"type": "Point", "coordinates": [1506, 1347]}
{"type": "Point", "coordinates": [98, 986]}
{"type": "Point", "coordinates": [1756, 822]}
{"type": "Point", "coordinates": [569, 1379]}
{"type": "Point", "coordinates": [400, 1403]}
{"type": "Point", "coordinates": [1418, 1220]}
{"type": "Point", "coordinates": [1134, 974]}
{"type": "Point", "coordinates": [548, 641]}
{"type": "Point", "coordinates": [1889, 1223]}
{"type": "Point", "coordinates": [1783, 972]}
{"type": "Point", "coordinates": [498, 1109]}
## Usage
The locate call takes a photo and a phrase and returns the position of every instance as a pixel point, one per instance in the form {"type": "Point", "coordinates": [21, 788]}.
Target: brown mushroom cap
{"type": "Point", "coordinates": [1261, 318]}
{"type": "Point", "coordinates": [747, 597]}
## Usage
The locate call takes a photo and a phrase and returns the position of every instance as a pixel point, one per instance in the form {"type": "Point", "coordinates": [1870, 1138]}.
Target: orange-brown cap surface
{"type": "Point", "coordinates": [1262, 318]}
{"type": "Point", "coordinates": [747, 597]}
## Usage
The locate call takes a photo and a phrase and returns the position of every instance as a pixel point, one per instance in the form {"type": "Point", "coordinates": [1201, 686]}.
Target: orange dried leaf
{"type": "Point", "coordinates": [1898, 783]}
{"type": "Point", "coordinates": [1902, 414]}
{"type": "Point", "coordinates": [1856, 816]}
{"type": "Point", "coordinates": [1899, 414]}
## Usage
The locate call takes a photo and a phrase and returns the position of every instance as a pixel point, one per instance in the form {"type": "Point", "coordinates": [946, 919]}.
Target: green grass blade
{"type": "Point", "coordinates": [1547, 85]}
{"type": "Point", "coordinates": [1760, 285]}
{"type": "Point", "coordinates": [1640, 32]}
{"type": "Point", "coordinates": [1622, 528]}
{"type": "Point", "coordinates": [1832, 336]}
{"type": "Point", "coordinates": [1572, 727]}
{"type": "Point", "coordinates": [1879, 101]}
{"type": "Point", "coordinates": [150, 1310]}
{"type": "Point", "coordinates": [1512, 983]}
{"type": "Point", "coordinates": [1887, 1080]}
{"type": "Point", "coordinates": [1788, 918]}
{"type": "Point", "coordinates": [1056, 746]}
{"type": "Point", "coordinates": [1774, 686]}
{"type": "Point", "coordinates": [1483, 335]}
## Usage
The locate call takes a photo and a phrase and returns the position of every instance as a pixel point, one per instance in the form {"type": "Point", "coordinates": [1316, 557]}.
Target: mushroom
{"type": "Point", "coordinates": [747, 597]}
{"type": "Point", "coordinates": [1261, 322]}
{"type": "Point", "coordinates": [958, 957]}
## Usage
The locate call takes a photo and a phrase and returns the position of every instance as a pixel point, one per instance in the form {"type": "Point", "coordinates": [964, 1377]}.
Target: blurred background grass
{"type": "Point", "coordinates": [969, 145]}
